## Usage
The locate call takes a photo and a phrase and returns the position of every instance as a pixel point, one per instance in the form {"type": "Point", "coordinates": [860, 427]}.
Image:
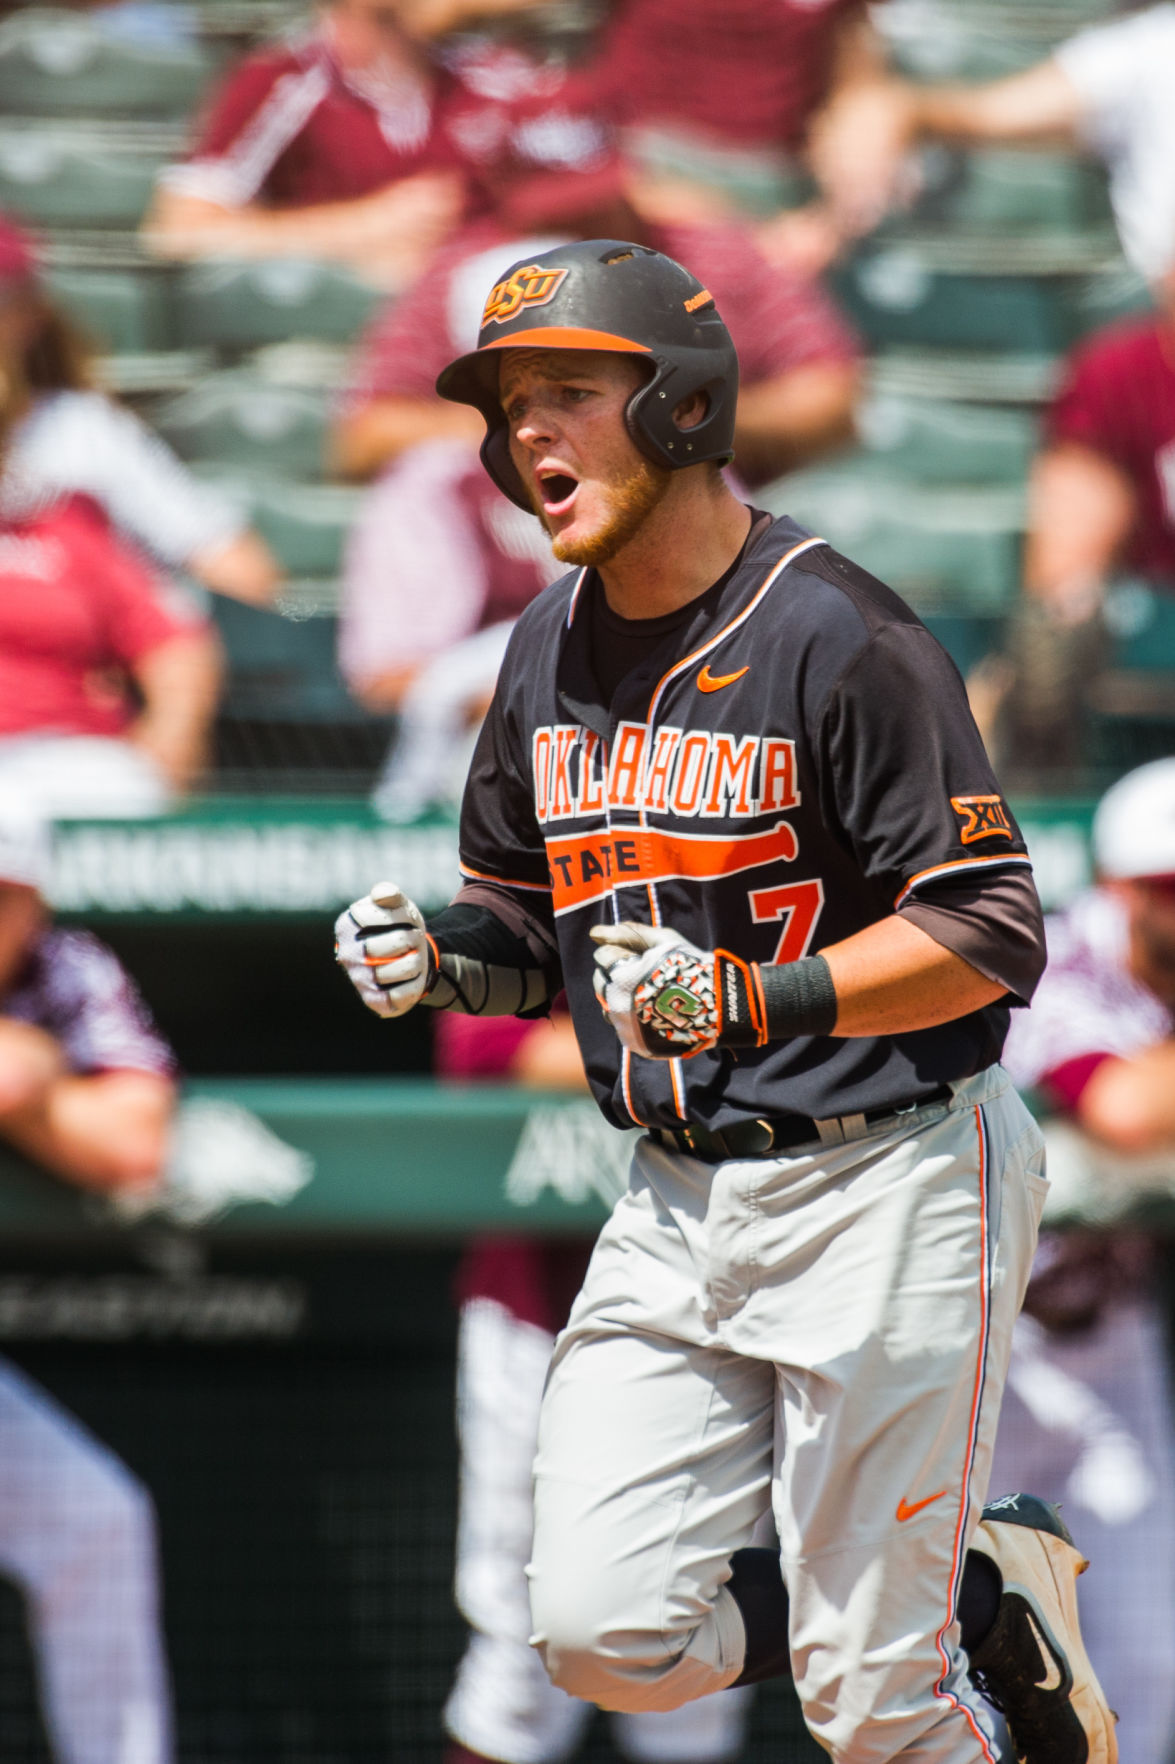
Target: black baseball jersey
{"type": "Point", "coordinates": [782, 772]}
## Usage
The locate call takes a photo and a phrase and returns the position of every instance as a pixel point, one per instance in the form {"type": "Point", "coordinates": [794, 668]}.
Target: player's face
{"type": "Point", "coordinates": [22, 914]}
{"type": "Point", "coordinates": [1151, 906]}
{"type": "Point", "coordinates": [590, 485]}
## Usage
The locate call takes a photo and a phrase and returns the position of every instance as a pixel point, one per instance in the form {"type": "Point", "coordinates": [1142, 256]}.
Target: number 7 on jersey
{"type": "Point", "coordinates": [799, 904]}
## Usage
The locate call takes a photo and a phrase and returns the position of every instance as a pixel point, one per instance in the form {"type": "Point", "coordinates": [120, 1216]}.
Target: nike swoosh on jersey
{"type": "Point", "coordinates": [907, 1509]}
{"type": "Point", "coordinates": [708, 682]}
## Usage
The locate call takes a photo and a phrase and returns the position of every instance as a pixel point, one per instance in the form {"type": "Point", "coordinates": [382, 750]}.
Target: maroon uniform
{"type": "Point", "coordinates": [290, 128]}
{"type": "Point", "coordinates": [1118, 399]}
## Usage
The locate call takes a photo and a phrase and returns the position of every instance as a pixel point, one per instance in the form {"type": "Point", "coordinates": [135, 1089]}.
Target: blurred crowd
{"type": "Point", "coordinates": [423, 147]}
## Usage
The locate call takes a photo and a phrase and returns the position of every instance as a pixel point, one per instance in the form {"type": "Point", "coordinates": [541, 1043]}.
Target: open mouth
{"type": "Point", "coordinates": [557, 491]}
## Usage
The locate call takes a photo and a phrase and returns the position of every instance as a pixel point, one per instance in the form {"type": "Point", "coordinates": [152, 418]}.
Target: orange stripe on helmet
{"type": "Point", "coordinates": [567, 337]}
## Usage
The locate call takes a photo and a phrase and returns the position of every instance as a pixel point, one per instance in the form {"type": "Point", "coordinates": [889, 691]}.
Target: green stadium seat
{"type": "Point", "coordinates": [124, 310]}
{"type": "Point", "coordinates": [54, 178]}
{"type": "Point", "coordinates": [245, 305]}
{"type": "Point", "coordinates": [1002, 190]}
{"type": "Point", "coordinates": [899, 294]}
{"type": "Point", "coordinates": [939, 441]}
{"type": "Point", "coordinates": [238, 418]}
{"type": "Point", "coordinates": [306, 524]}
{"type": "Point", "coordinates": [281, 670]}
{"type": "Point", "coordinates": [1143, 620]}
{"type": "Point", "coordinates": [58, 62]}
{"type": "Point", "coordinates": [943, 550]}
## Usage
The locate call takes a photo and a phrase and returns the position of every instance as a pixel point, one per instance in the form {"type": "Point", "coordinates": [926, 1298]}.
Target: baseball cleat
{"type": "Point", "coordinates": [1032, 1664]}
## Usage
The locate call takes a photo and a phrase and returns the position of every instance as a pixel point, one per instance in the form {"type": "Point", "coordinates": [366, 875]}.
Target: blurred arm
{"type": "Point", "coordinates": [860, 142]}
{"type": "Point", "coordinates": [549, 1058]}
{"type": "Point", "coordinates": [1082, 508]}
{"type": "Point", "coordinates": [1130, 1104]}
{"type": "Point", "coordinates": [784, 422]}
{"type": "Point", "coordinates": [104, 1131]}
{"type": "Point", "coordinates": [244, 568]}
{"type": "Point", "coordinates": [391, 230]}
{"type": "Point", "coordinates": [374, 434]}
{"type": "Point", "coordinates": [180, 684]}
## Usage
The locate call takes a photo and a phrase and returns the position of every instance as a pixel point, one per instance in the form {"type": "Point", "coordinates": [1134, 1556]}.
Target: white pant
{"type": "Point", "coordinates": [77, 1535]}
{"type": "Point", "coordinates": [90, 777]}
{"type": "Point", "coordinates": [829, 1333]}
{"type": "Point", "coordinates": [1087, 1421]}
{"type": "Point", "coordinates": [503, 1704]}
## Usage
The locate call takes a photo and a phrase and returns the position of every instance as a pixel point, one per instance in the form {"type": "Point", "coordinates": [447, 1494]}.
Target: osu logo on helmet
{"type": "Point", "coordinates": [530, 286]}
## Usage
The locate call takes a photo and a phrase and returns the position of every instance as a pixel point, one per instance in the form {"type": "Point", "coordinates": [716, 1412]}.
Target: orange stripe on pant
{"type": "Point", "coordinates": [587, 866]}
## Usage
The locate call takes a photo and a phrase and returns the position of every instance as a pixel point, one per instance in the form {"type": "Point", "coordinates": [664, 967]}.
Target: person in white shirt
{"type": "Point", "coordinates": [1107, 89]}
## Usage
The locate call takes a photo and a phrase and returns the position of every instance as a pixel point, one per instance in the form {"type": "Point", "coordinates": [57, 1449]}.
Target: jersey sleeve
{"type": "Point", "coordinates": [147, 491]}
{"type": "Point", "coordinates": [1104, 65]}
{"type": "Point", "coordinates": [252, 118]}
{"type": "Point", "coordinates": [97, 1012]}
{"type": "Point", "coordinates": [1088, 409]}
{"type": "Point", "coordinates": [905, 776]}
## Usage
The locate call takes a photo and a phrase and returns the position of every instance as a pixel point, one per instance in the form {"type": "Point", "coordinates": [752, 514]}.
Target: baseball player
{"type": "Point", "coordinates": [1087, 1415]}
{"type": "Point", "coordinates": [716, 747]}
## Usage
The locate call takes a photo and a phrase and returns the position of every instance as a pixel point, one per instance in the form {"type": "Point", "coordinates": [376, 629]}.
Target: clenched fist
{"type": "Point", "coordinates": [387, 954]}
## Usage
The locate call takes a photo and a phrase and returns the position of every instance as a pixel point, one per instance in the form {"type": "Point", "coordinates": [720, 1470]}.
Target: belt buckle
{"type": "Point", "coordinates": [759, 1144]}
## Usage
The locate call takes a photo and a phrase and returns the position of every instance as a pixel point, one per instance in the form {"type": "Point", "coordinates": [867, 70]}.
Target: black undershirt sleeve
{"type": "Point", "coordinates": [493, 958]}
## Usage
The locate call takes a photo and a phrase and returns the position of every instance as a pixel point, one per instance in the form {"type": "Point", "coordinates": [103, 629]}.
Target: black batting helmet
{"type": "Point", "coordinates": [608, 294]}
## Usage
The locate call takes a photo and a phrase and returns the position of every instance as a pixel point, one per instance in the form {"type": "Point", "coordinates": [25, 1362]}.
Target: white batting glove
{"type": "Point", "coordinates": [657, 990]}
{"type": "Point", "coordinates": [381, 943]}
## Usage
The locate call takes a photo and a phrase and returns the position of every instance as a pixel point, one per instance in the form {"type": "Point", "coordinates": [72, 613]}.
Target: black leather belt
{"type": "Point", "coordinates": [769, 1135]}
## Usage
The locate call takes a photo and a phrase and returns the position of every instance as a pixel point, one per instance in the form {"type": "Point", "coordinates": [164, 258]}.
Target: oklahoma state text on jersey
{"type": "Point", "coordinates": [787, 767]}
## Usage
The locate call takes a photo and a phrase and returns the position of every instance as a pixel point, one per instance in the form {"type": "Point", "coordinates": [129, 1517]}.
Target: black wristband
{"type": "Point", "coordinates": [761, 1003]}
{"type": "Point", "coordinates": [800, 998]}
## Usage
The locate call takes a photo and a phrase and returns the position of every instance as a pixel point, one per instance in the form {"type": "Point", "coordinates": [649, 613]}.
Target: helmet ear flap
{"type": "Point", "coordinates": [495, 457]}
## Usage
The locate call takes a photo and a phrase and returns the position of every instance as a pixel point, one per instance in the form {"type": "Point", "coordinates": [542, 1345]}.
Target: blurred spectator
{"type": "Point", "coordinates": [107, 694]}
{"type": "Point", "coordinates": [87, 1089]}
{"type": "Point", "coordinates": [1102, 502]}
{"type": "Point", "coordinates": [1107, 89]}
{"type": "Point", "coordinates": [438, 553]}
{"type": "Point", "coordinates": [717, 105]}
{"type": "Point", "coordinates": [1087, 1418]}
{"type": "Point", "coordinates": [515, 1294]}
{"type": "Point", "coordinates": [62, 436]}
{"type": "Point", "coordinates": [365, 142]}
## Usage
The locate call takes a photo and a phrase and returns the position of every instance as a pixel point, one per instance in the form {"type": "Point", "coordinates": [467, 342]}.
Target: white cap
{"type": "Point", "coordinates": [1134, 827]}
{"type": "Point", "coordinates": [25, 847]}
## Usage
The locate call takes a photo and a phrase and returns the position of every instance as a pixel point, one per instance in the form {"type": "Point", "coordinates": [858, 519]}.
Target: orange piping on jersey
{"type": "Point", "coordinates": [990, 863]}
{"type": "Point", "coordinates": [626, 1087]}
{"type": "Point", "coordinates": [483, 876]}
{"type": "Point", "coordinates": [972, 1438]}
{"type": "Point", "coordinates": [705, 648]}
{"type": "Point", "coordinates": [586, 867]}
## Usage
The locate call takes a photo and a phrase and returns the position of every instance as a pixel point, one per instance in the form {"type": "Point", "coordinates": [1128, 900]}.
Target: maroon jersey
{"type": "Point", "coordinates": [289, 129]}
{"type": "Point", "coordinates": [78, 991]}
{"type": "Point", "coordinates": [749, 73]}
{"type": "Point", "coordinates": [1118, 398]}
